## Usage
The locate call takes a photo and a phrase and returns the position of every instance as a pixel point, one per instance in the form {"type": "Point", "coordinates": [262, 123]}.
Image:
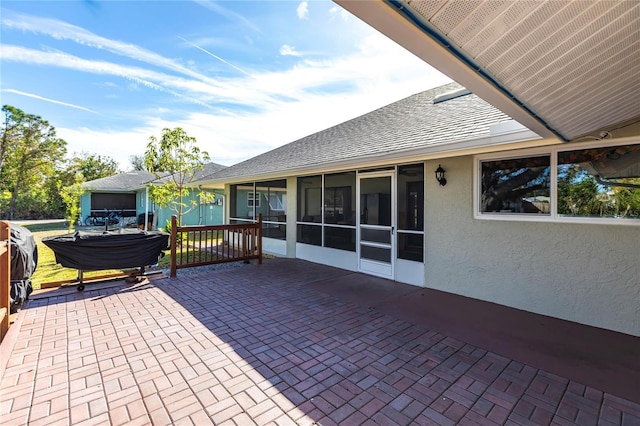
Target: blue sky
{"type": "Point", "coordinates": [242, 77]}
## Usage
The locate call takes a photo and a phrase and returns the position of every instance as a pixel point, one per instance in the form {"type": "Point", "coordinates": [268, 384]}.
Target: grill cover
{"type": "Point", "coordinates": [24, 253]}
{"type": "Point", "coordinates": [122, 248]}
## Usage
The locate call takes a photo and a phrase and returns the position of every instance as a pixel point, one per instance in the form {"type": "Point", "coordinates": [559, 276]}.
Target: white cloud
{"type": "Point", "coordinates": [271, 108]}
{"type": "Point", "coordinates": [195, 91]}
{"type": "Point", "coordinates": [303, 10]}
{"type": "Point", "coordinates": [62, 30]}
{"type": "Point", "coordinates": [287, 50]}
{"type": "Point", "coordinates": [378, 73]}
{"type": "Point", "coordinates": [339, 12]}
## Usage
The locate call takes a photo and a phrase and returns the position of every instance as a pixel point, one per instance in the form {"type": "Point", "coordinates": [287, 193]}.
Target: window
{"type": "Point", "coordinates": [411, 212]}
{"type": "Point", "coordinates": [310, 199]}
{"type": "Point", "coordinates": [253, 199]}
{"type": "Point", "coordinates": [273, 209]}
{"type": "Point", "coordinates": [516, 185]}
{"type": "Point", "coordinates": [310, 210]}
{"type": "Point", "coordinates": [339, 198]}
{"type": "Point", "coordinates": [241, 209]}
{"type": "Point", "coordinates": [598, 183]}
{"type": "Point", "coordinates": [246, 203]}
{"type": "Point", "coordinates": [326, 215]}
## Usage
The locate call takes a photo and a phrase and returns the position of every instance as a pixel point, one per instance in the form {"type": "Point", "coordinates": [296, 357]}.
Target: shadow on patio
{"type": "Point", "coordinates": [292, 342]}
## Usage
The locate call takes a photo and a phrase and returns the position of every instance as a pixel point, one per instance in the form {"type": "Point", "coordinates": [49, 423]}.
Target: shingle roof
{"type": "Point", "coordinates": [122, 182]}
{"type": "Point", "coordinates": [207, 170]}
{"type": "Point", "coordinates": [410, 123]}
{"type": "Point", "coordinates": [130, 181]}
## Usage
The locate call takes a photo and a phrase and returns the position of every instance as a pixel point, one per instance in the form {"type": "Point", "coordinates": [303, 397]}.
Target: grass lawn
{"type": "Point", "coordinates": [48, 270]}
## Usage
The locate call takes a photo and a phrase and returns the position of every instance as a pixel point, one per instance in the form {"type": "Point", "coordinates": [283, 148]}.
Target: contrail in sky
{"type": "Point", "coordinates": [53, 101]}
{"type": "Point", "coordinates": [215, 56]}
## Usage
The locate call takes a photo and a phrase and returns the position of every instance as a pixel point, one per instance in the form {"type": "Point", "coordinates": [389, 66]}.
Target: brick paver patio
{"type": "Point", "coordinates": [260, 345]}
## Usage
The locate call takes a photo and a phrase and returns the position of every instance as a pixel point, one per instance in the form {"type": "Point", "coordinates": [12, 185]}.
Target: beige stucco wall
{"type": "Point", "coordinates": [584, 273]}
{"type": "Point", "coordinates": [292, 190]}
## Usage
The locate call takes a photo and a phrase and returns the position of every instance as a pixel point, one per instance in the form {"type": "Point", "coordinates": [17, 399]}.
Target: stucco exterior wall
{"type": "Point", "coordinates": [589, 274]}
{"type": "Point", "coordinates": [292, 200]}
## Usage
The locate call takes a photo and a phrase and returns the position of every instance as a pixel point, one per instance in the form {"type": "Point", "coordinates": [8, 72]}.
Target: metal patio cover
{"type": "Point", "coordinates": [562, 68]}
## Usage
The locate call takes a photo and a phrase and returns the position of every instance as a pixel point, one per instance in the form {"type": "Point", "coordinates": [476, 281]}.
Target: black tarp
{"type": "Point", "coordinates": [24, 260]}
{"type": "Point", "coordinates": [94, 251]}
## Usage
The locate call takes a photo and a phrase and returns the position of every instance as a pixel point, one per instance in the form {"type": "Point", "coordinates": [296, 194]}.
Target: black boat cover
{"type": "Point", "coordinates": [94, 251]}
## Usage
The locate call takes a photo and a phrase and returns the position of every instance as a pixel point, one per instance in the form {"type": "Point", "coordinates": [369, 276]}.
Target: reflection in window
{"type": "Point", "coordinates": [272, 206]}
{"type": "Point", "coordinates": [240, 206]}
{"type": "Point", "coordinates": [516, 185]}
{"type": "Point", "coordinates": [253, 199]}
{"type": "Point", "coordinates": [600, 182]}
{"type": "Point", "coordinates": [248, 200]}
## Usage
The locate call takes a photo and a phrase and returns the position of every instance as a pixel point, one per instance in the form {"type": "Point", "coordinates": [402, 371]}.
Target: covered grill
{"type": "Point", "coordinates": [119, 249]}
{"type": "Point", "coordinates": [24, 259]}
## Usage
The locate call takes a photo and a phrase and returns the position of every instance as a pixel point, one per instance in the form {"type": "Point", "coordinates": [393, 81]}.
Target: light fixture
{"type": "Point", "coordinates": [440, 176]}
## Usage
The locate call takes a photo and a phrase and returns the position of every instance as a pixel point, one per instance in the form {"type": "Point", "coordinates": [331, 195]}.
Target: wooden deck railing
{"type": "Point", "coordinates": [5, 278]}
{"type": "Point", "coordinates": [207, 245]}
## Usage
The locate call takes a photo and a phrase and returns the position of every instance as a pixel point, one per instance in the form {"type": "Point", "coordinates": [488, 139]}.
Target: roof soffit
{"type": "Point", "coordinates": [570, 66]}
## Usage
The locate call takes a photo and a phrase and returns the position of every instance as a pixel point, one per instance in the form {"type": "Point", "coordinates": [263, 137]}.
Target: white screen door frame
{"type": "Point", "coordinates": [376, 207]}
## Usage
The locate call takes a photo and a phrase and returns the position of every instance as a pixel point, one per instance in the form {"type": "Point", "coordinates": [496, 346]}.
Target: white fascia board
{"type": "Point", "coordinates": [523, 138]}
{"type": "Point", "coordinates": [506, 141]}
{"type": "Point", "coordinates": [381, 16]}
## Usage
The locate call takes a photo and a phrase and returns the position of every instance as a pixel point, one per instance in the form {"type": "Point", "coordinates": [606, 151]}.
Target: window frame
{"type": "Point", "coordinates": [553, 152]}
{"type": "Point", "coordinates": [323, 225]}
{"type": "Point", "coordinates": [252, 197]}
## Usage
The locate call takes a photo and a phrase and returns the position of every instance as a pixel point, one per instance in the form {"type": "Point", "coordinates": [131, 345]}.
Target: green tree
{"type": "Point", "coordinates": [63, 189]}
{"type": "Point", "coordinates": [29, 153]}
{"type": "Point", "coordinates": [628, 198]}
{"type": "Point", "coordinates": [93, 166]}
{"type": "Point", "coordinates": [175, 159]}
{"type": "Point", "coordinates": [136, 163]}
{"type": "Point", "coordinates": [70, 196]}
{"type": "Point", "coordinates": [579, 194]}
{"type": "Point", "coordinates": [510, 180]}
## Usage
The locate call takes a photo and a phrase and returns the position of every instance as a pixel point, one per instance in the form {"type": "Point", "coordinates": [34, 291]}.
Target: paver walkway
{"type": "Point", "coordinates": [262, 345]}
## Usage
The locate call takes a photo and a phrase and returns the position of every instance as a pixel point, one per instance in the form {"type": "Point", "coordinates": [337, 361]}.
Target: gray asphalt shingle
{"type": "Point", "coordinates": [131, 181]}
{"type": "Point", "coordinates": [121, 182]}
{"type": "Point", "coordinates": [410, 123]}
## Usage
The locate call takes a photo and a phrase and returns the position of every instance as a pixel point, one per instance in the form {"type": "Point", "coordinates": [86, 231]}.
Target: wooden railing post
{"type": "Point", "coordinates": [198, 247]}
{"type": "Point", "coordinates": [174, 245]}
{"type": "Point", "coordinates": [5, 277]}
{"type": "Point", "coordinates": [259, 234]}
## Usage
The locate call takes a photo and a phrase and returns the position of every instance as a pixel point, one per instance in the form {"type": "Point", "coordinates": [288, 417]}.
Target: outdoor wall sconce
{"type": "Point", "coordinates": [440, 176]}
